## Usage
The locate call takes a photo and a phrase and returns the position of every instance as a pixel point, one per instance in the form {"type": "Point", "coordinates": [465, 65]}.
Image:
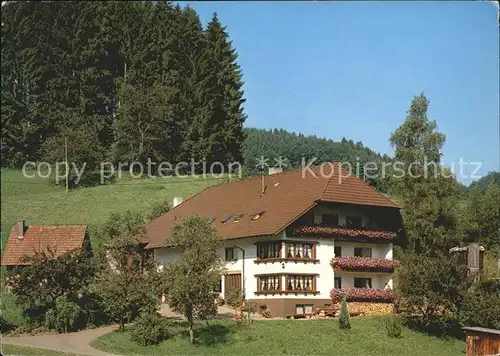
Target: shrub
{"type": "Point", "coordinates": [159, 208]}
{"type": "Point", "coordinates": [344, 322]}
{"type": "Point", "coordinates": [393, 326]}
{"type": "Point", "coordinates": [482, 305]}
{"type": "Point", "coordinates": [267, 313]}
{"type": "Point", "coordinates": [235, 299]}
{"type": "Point", "coordinates": [150, 329]}
{"type": "Point", "coordinates": [63, 316]}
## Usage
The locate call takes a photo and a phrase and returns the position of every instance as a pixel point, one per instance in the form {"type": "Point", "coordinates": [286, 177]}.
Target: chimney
{"type": "Point", "coordinates": [20, 229]}
{"type": "Point", "coordinates": [176, 201]}
{"type": "Point", "coordinates": [274, 170]}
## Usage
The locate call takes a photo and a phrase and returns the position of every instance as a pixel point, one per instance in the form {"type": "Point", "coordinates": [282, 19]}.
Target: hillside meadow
{"type": "Point", "coordinates": [39, 201]}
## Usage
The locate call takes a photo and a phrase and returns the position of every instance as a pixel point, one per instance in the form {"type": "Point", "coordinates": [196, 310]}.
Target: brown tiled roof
{"type": "Point", "coordinates": [287, 196]}
{"type": "Point", "coordinates": [60, 240]}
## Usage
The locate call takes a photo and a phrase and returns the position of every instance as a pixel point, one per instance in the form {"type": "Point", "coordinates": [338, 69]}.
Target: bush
{"type": "Point", "coordinates": [267, 314]}
{"type": "Point", "coordinates": [159, 208]}
{"type": "Point", "coordinates": [63, 317]}
{"type": "Point", "coordinates": [235, 299]}
{"type": "Point", "coordinates": [150, 329]}
{"type": "Point", "coordinates": [482, 305]}
{"type": "Point", "coordinates": [393, 326]}
{"type": "Point", "coordinates": [344, 322]}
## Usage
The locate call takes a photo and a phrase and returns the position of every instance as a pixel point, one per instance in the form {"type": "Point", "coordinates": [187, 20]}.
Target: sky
{"type": "Point", "coordinates": [351, 69]}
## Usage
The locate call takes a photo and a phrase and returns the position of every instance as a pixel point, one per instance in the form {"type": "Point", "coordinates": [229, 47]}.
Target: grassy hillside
{"type": "Point", "coordinates": [38, 201]}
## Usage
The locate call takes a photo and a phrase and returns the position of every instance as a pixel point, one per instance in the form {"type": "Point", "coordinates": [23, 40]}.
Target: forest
{"type": "Point", "coordinates": [118, 81]}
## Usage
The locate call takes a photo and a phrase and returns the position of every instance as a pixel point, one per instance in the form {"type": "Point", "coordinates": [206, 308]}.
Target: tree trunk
{"type": "Point", "coordinates": [191, 333]}
{"type": "Point", "coordinates": [191, 325]}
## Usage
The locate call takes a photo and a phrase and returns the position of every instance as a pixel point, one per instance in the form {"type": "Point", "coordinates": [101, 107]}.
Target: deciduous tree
{"type": "Point", "coordinates": [190, 280]}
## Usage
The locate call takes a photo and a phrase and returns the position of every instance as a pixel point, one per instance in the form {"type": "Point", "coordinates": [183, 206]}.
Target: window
{"type": "Point", "coordinates": [303, 309]}
{"type": "Point", "coordinates": [298, 250]}
{"type": "Point", "coordinates": [256, 216]}
{"type": "Point", "coordinates": [211, 220]}
{"type": "Point", "coordinates": [226, 218]}
{"type": "Point", "coordinates": [362, 282]}
{"type": "Point", "coordinates": [353, 221]}
{"type": "Point", "coordinates": [230, 255]}
{"type": "Point", "coordinates": [269, 250]}
{"type": "Point", "coordinates": [269, 283]}
{"type": "Point", "coordinates": [330, 219]}
{"type": "Point", "coordinates": [300, 283]}
{"type": "Point", "coordinates": [362, 252]}
{"type": "Point", "coordinates": [338, 283]}
{"type": "Point", "coordinates": [338, 251]}
{"type": "Point", "coordinates": [237, 218]}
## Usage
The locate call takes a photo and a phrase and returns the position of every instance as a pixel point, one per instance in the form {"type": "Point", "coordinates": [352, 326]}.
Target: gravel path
{"type": "Point", "coordinates": [77, 342]}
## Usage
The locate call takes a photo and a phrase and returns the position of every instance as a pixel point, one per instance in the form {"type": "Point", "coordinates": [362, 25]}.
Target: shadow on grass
{"type": "Point", "coordinates": [206, 334]}
{"type": "Point", "coordinates": [450, 328]}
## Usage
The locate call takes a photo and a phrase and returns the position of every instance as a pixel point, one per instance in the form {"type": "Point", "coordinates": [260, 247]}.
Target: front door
{"type": "Point", "coordinates": [232, 282]}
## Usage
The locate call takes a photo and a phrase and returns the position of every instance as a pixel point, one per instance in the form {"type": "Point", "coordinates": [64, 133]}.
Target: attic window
{"type": "Point", "coordinates": [226, 218]}
{"type": "Point", "coordinates": [257, 216]}
{"type": "Point", "coordinates": [211, 220]}
{"type": "Point", "coordinates": [238, 217]}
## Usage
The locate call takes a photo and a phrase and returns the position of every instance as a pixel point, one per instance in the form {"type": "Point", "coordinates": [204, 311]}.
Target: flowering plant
{"type": "Point", "coordinates": [337, 231]}
{"type": "Point", "coordinates": [363, 294]}
{"type": "Point", "coordinates": [357, 263]}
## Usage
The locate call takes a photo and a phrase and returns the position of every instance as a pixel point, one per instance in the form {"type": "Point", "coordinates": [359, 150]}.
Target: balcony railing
{"type": "Point", "coordinates": [363, 295]}
{"type": "Point", "coordinates": [363, 264]}
{"type": "Point", "coordinates": [344, 233]}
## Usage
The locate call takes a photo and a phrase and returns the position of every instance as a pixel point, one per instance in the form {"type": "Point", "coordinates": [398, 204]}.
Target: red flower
{"type": "Point", "coordinates": [329, 231]}
{"type": "Point", "coordinates": [363, 294]}
{"type": "Point", "coordinates": [360, 263]}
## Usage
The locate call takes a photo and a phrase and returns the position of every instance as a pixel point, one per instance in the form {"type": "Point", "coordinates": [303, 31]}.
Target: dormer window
{"type": "Point", "coordinates": [226, 218]}
{"type": "Point", "coordinates": [211, 220]}
{"type": "Point", "coordinates": [257, 216]}
{"type": "Point", "coordinates": [238, 218]}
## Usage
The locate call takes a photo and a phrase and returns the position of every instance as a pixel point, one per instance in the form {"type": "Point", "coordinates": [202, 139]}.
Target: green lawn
{"type": "Point", "coordinates": [288, 337]}
{"type": "Point", "coordinates": [38, 201]}
{"type": "Point", "coordinates": [29, 351]}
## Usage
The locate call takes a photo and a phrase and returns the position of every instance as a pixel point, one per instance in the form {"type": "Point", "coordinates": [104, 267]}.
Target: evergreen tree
{"type": "Point", "coordinates": [344, 322]}
{"type": "Point", "coordinates": [428, 193]}
{"type": "Point", "coordinates": [224, 134]}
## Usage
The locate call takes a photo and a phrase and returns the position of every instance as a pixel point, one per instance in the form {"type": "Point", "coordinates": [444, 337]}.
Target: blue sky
{"type": "Point", "coordinates": [351, 69]}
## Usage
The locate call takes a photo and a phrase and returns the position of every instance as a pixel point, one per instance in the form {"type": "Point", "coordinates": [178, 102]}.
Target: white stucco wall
{"type": "Point", "coordinates": [325, 273]}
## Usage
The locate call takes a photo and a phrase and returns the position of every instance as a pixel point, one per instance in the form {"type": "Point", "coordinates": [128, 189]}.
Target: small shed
{"type": "Point", "coordinates": [482, 341]}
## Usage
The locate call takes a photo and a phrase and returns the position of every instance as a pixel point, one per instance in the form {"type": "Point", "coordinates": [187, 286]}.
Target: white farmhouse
{"type": "Point", "coordinates": [294, 238]}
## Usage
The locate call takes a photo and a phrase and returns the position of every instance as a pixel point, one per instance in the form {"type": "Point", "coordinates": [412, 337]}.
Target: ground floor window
{"type": "Point", "coordinates": [269, 283]}
{"type": "Point", "coordinates": [303, 309]}
{"type": "Point", "coordinates": [300, 283]}
{"type": "Point", "coordinates": [362, 282]}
